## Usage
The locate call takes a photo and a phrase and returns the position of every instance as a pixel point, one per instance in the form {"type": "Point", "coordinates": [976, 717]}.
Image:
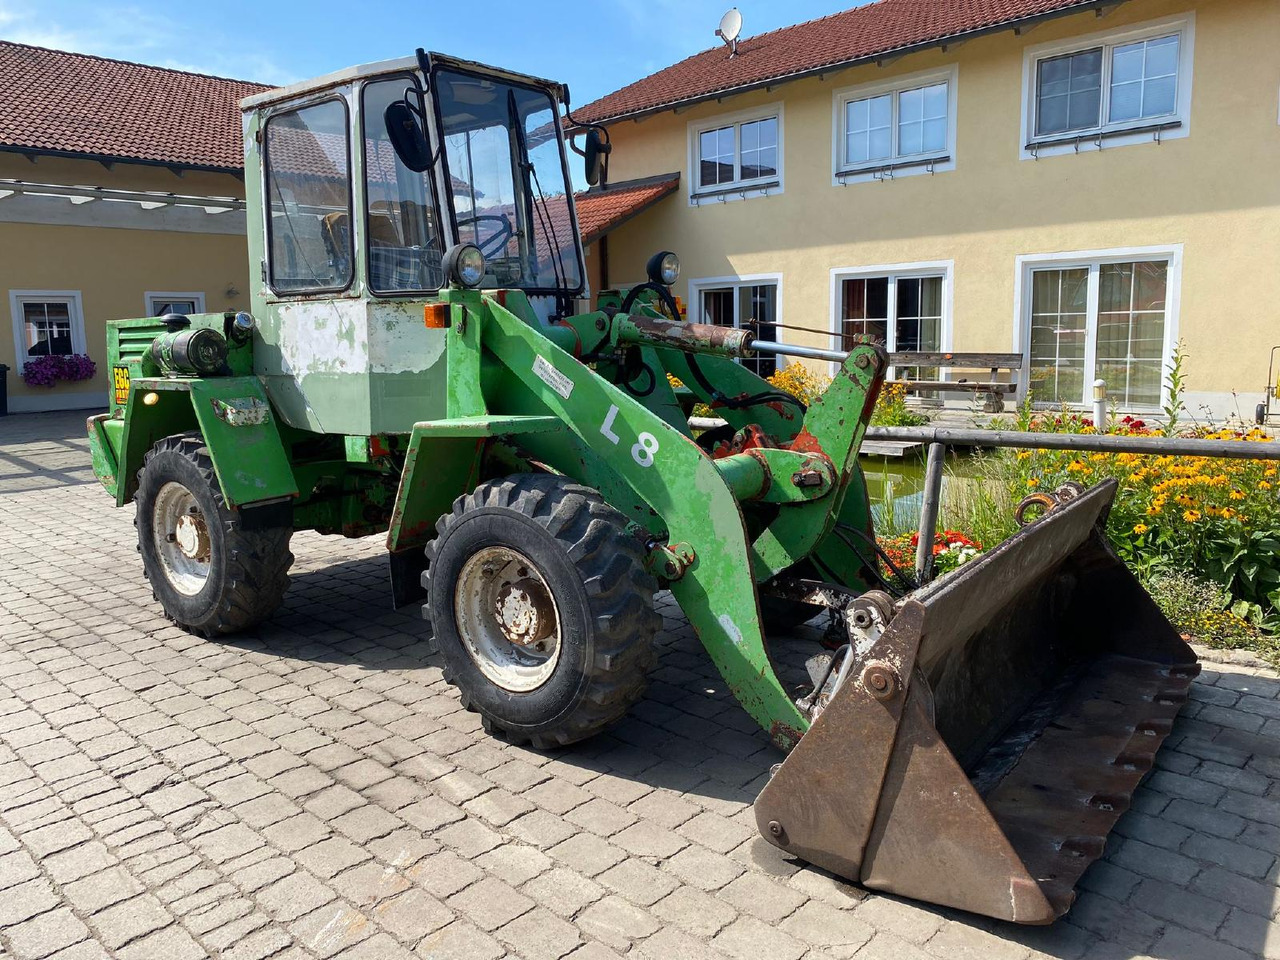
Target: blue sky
{"type": "Point", "coordinates": [595, 47]}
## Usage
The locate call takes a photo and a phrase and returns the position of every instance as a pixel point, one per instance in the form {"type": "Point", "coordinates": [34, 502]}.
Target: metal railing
{"type": "Point", "coordinates": [939, 438]}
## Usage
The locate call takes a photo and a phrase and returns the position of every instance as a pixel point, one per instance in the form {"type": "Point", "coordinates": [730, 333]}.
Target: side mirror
{"type": "Point", "coordinates": [594, 153]}
{"type": "Point", "coordinates": [407, 136]}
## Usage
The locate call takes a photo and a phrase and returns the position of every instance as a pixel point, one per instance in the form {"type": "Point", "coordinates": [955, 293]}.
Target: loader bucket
{"type": "Point", "coordinates": [984, 745]}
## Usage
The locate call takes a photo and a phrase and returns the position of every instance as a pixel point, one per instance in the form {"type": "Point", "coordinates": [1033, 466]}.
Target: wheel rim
{"type": "Point", "coordinates": [181, 537]}
{"type": "Point", "coordinates": [508, 619]}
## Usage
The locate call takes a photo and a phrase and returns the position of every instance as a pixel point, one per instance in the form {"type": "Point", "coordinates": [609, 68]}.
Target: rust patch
{"type": "Point", "coordinates": [806, 442]}
{"type": "Point", "coordinates": [783, 735]}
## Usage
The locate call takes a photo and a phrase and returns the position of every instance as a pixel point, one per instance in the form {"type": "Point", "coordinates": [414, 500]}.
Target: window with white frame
{"type": "Point", "coordinates": [1108, 319]}
{"type": "Point", "coordinates": [740, 151]}
{"type": "Point", "coordinates": [904, 123]}
{"type": "Point", "coordinates": [907, 309]}
{"type": "Point", "coordinates": [751, 303]}
{"type": "Point", "coordinates": [1111, 85]}
{"type": "Point", "coordinates": [159, 304]}
{"type": "Point", "coordinates": [46, 323]}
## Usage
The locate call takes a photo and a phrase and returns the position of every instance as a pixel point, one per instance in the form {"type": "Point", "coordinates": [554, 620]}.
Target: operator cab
{"type": "Point", "coordinates": [491, 171]}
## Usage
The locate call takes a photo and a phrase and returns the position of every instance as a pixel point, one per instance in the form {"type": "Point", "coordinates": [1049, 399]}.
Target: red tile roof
{"type": "Point", "coordinates": [600, 211]}
{"type": "Point", "coordinates": [866, 32]}
{"type": "Point", "coordinates": [72, 103]}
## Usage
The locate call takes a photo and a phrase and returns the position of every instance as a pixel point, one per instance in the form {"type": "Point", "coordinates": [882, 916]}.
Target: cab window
{"type": "Point", "coordinates": [403, 230]}
{"type": "Point", "coordinates": [308, 185]}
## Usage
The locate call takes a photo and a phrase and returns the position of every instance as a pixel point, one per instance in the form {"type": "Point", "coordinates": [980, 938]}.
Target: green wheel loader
{"type": "Point", "coordinates": [414, 366]}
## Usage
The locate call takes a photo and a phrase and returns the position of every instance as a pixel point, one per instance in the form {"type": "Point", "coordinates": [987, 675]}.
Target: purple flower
{"type": "Point", "coordinates": [46, 371]}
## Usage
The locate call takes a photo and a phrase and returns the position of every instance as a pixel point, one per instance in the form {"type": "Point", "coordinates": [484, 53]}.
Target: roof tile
{"type": "Point", "coordinates": [875, 29]}
{"type": "Point", "coordinates": [76, 103]}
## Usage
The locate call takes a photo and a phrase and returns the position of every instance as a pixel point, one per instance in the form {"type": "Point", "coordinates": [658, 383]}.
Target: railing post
{"type": "Point", "coordinates": [929, 512]}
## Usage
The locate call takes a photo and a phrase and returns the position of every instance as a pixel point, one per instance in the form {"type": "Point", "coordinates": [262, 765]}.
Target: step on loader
{"type": "Point", "coordinates": [417, 363]}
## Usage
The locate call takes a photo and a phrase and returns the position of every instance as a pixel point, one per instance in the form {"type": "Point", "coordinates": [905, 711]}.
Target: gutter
{"type": "Point", "coordinates": [107, 159]}
{"type": "Point", "coordinates": [1098, 6]}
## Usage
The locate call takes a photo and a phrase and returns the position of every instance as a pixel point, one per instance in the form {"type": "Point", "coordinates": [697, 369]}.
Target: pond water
{"type": "Point", "coordinates": [896, 488]}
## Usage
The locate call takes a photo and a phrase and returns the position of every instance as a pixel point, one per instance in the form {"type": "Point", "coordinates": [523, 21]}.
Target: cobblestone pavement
{"type": "Point", "coordinates": [314, 790]}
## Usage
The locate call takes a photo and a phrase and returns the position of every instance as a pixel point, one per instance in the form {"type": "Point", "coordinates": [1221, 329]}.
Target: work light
{"type": "Point", "coordinates": [663, 268]}
{"type": "Point", "coordinates": [464, 265]}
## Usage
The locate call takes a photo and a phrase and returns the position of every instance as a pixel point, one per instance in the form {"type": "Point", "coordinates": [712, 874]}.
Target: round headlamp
{"type": "Point", "coordinates": [464, 265]}
{"type": "Point", "coordinates": [664, 268]}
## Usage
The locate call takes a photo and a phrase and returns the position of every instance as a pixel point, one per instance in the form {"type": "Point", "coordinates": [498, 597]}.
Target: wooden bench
{"type": "Point", "coordinates": [995, 390]}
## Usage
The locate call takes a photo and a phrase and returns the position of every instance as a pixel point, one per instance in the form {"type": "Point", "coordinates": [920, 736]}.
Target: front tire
{"type": "Point", "coordinates": [541, 608]}
{"type": "Point", "coordinates": [210, 574]}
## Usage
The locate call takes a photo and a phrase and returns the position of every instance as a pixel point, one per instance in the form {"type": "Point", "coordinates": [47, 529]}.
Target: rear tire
{"type": "Point", "coordinates": [210, 574]}
{"type": "Point", "coordinates": [541, 608]}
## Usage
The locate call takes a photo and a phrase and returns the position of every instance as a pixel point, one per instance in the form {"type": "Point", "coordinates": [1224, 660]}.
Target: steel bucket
{"type": "Point", "coordinates": [984, 745]}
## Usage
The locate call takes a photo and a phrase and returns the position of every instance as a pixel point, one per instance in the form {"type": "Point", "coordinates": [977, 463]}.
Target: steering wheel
{"type": "Point", "coordinates": [496, 241]}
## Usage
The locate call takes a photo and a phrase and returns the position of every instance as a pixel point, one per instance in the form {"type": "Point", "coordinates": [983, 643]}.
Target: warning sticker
{"type": "Point", "coordinates": [120, 381]}
{"type": "Point", "coordinates": [552, 377]}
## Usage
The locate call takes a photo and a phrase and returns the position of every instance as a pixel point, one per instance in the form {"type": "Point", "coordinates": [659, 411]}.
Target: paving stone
{"type": "Point", "coordinates": [961, 941]}
{"type": "Point", "coordinates": [695, 912]}
{"type": "Point", "coordinates": [171, 943]}
{"type": "Point", "coordinates": [823, 925]}
{"type": "Point", "coordinates": [460, 940]}
{"type": "Point", "coordinates": [748, 939]}
{"type": "Point", "coordinates": [515, 863]}
{"type": "Point", "coordinates": [564, 892]}
{"type": "Point", "coordinates": [670, 943]}
{"type": "Point", "coordinates": [26, 900]}
{"type": "Point", "coordinates": [906, 920]}
{"type": "Point", "coordinates": [91, 894]}
{"type": "Point", "coordinates": [45, 934]}
{"type": "Point", "coordinates": [1173, 903]}
{"type": "Point", "coordinates": [588, 854]}
{"type": "Point", "coordinates": [617, 923]}
{"type": "Point", "coordinates": [703, 868]}
{"type": "Point", "coordinates": [649, 840]}
{"type": "Point", "coordinates": [638, 882]}
{"type": "Point", "coordinates": [490, 903]}
{"type": "Point", "coordinates": [127, 921]}
{"type": "Point", "coordinates": [1252, 933]}
{"type": "Point", "coordinates": [540, 935]}
{"type": "Point", "coordinates": [412, 914]}
{"type": "Point", "coordinates": [331, 929]}
{"type": "Point", "coordinates": [294, 896]}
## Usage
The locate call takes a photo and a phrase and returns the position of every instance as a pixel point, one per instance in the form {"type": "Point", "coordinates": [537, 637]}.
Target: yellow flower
{"type": "Point", "coordinates": [1075, 466]}
{"type": "Point", "coordinates": [1191, 516]}
{"type": "Point", "coordinates": [1154, 509]}
{"type": "Point", "coordinates": [1140, 529]}
{"type": "Point", "coordinates": [1269, 472]}
{"type": "Point", "coordinates": [1024, 454]}
{"type": "Point", "coordinates": [1264, 485]}
{"type": "Point", "coordinates": [1236, 495]}
{"type": "Point", "coordinates": [1032, 481]}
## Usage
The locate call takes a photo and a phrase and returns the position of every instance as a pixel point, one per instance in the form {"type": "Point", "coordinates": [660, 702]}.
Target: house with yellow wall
{"type": "Point", "coordinates": [121, 195]}
{"type": "Point", "coordinates": [1087, 183]}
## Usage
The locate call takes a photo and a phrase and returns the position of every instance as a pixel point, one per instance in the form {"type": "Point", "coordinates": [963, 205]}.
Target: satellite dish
{"type": "Point", "coordinates": [730, 27]}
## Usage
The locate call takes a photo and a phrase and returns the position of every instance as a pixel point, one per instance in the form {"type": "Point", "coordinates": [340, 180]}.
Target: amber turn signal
{"type": "Point", "coordinates": [436, 316]}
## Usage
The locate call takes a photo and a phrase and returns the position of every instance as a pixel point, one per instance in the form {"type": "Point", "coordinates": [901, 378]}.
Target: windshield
{"type": "Point", "coordinates": [507, 181]}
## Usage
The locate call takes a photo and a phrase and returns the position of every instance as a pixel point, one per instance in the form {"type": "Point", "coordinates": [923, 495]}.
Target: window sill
{"type": "Point", "coordinates": [1096, 138]}
{"type": "Point", "coordinates": [886, 171]}
{"type": "Point", "coordinates": [738, 191]}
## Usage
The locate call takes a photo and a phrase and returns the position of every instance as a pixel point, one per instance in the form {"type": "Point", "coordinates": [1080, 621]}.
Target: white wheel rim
{"type": "Point", "coordinates": [508, 619]}
{"type": "Point", "coordinates": [181, 538]}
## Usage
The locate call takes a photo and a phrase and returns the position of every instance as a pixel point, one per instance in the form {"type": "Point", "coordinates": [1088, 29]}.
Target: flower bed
{"type": "Point", "coordinates": [1201, 527]}
{"type": "Point", "coordinates": [46, 371]}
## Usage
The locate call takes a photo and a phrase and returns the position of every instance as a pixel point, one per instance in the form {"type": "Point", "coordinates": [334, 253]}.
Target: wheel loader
{"type": "Point", "coordinates": [415, 364]}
